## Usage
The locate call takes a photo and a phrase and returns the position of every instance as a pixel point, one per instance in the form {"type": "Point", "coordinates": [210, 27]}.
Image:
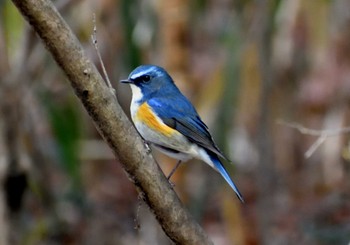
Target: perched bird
{"type": "Point", "coordinates": [166, 118]}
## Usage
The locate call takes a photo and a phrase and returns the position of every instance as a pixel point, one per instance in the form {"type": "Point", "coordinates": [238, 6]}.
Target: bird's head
{"type": "Point", "coordinates": [146, 80]}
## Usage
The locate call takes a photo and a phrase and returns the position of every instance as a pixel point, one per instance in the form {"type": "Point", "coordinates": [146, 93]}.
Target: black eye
{"type": "Point", "coordinates": [146, 78]}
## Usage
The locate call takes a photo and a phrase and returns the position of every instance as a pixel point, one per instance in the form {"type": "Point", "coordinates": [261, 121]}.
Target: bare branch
{"type": "Point", "coordinates": [322, 134]}
{"type": "Point", "coordinates": [314, 132]}
{"type": "Point", "coordinates": [94, 42]}
{"type": "Point", "coordinates": [111, 122]}
{"type": "Point", "coordinates": [315, 146]}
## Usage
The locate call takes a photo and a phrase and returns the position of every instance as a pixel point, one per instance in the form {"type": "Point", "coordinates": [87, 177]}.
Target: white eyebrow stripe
{"type": "Point", "coordinates": [141, 73]}
{"type": "Point", "coordinates": [154, 70]}
{"type": "Point", "coordinates": [138, 74]}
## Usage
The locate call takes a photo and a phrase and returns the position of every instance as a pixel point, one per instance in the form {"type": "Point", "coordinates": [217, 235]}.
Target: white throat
{"type": "Point", "coordinates": [136, 97]}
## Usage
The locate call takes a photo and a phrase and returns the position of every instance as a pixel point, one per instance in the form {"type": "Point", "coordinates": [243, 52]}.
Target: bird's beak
{"type": "Point", "coordinates": [126, 81]}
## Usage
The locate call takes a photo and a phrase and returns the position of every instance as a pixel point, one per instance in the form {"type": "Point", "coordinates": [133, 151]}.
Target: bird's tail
{"type": "Point", "coordinates": [221, 169]}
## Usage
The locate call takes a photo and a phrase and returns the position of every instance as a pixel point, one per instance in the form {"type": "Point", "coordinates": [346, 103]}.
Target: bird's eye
{"type": "Point", "coordinates": [146, 78]}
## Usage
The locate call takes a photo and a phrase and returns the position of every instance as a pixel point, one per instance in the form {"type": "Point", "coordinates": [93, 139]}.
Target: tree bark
{"type": "Point", "coordinates": [111, 122]}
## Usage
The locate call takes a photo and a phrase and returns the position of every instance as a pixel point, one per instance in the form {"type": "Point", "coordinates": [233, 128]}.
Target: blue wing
{"type": "Point", "coordinates": [182, 116]}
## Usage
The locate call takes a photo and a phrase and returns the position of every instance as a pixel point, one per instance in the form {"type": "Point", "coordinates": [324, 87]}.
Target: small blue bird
{"type": "Point", "coordinates": [166, 118]}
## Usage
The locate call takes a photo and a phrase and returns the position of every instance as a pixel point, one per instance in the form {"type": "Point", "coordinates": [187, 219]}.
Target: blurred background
{"type": "Point", "coordinates": [261, 74]}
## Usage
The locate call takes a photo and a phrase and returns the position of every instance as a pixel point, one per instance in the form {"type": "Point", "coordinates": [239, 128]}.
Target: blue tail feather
{"type": "Point", "coordinates": [221, 169]}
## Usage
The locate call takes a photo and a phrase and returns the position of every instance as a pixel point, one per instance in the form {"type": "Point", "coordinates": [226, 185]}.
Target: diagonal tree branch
{"type": "Point", "coordinates": [111, 122]}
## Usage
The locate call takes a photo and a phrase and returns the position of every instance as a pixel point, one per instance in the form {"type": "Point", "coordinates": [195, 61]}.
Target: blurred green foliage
{"type": "Point", "coordinates": [65, 119]}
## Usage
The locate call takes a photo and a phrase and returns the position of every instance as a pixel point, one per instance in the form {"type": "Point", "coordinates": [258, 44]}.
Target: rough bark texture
{"type": "Point", "coordinates": [111, 122]}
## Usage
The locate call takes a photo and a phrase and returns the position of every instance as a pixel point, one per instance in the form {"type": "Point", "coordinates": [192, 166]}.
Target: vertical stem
{"type": "Point", "coordinates": [265, 172]}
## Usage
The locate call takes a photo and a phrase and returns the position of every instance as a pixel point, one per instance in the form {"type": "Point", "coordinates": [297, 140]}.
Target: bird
{"type": "Point", "coordinates": [166, 119]}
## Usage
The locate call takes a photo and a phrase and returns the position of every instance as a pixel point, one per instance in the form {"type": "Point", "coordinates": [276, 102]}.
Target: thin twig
{"type": "Point", "coordinates": [94, 42]}
{"type": "Point", "coordinates": [137, 218]}
{"type": "Point", "coordinates": [315, 146]}
{"type": "Point", "coordinates": [322, 134]}
{"type": "Point", "coordinates": [314, 132]}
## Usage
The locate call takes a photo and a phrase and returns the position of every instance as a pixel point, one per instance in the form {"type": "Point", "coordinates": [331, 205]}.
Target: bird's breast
{"type": "Point", "coordinates": [144, 114]}
{"type": "Point", "coordinates": [154, 130]}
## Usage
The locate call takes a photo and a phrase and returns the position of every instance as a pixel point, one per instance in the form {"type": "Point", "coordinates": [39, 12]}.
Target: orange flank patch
{"type": "Point", "coordinates": [146, 116]}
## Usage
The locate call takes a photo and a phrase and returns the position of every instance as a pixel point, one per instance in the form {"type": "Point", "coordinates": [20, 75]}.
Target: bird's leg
{"type": "Point", "coordinates": [174, 169]}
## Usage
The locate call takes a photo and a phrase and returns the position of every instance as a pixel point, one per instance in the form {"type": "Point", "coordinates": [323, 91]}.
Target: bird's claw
{"type": "Point", "coordinates": [172, 185]}
{"type": "Point", "coordinates": [147, 146]}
